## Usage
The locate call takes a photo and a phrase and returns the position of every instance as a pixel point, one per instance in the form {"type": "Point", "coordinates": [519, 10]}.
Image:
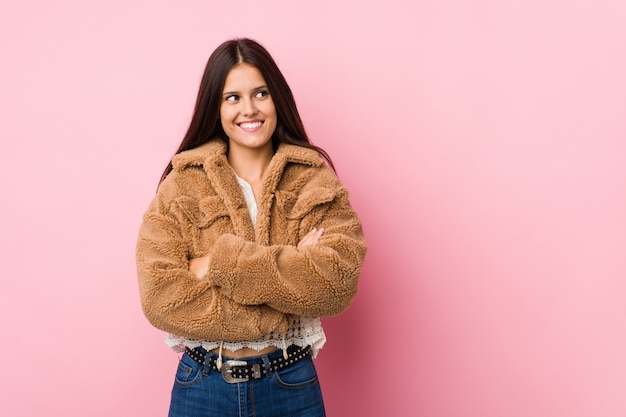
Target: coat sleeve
{"type": "Point", "coordinates": [176, 301]}
{"type": "Point", "coordinates": [320, 280]}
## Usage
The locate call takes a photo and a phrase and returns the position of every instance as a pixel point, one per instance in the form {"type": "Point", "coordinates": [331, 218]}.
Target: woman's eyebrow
{"type": "Point", "coordinates": [237, 92]}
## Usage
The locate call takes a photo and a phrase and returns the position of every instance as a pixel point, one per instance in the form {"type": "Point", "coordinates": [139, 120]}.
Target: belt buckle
{"type": "Point", "coordinates": [227, 371]}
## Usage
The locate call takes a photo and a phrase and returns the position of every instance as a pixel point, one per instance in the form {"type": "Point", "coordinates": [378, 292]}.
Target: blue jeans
{"type": "Point", "coordinates": [293, 391]}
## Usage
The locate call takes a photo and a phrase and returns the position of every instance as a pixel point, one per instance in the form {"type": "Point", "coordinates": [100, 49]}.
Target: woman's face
{"type": "Point", "coordinates": [247, 112]}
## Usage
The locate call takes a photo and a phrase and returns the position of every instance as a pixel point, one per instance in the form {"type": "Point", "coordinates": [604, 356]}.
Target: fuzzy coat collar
{"type": "Point", "coordinates": [206, 154]}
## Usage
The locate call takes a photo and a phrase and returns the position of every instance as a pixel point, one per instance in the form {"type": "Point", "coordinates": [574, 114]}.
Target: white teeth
{"type": "Point", "coordinates": [250, 125]}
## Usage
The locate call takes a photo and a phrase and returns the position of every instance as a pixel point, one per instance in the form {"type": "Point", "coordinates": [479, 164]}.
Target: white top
{"type": "Point", "coordinates": [303, 331]}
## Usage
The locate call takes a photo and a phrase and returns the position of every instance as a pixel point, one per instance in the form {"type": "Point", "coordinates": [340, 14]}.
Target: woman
{"type": "Point", "coordinates": [249, 240]}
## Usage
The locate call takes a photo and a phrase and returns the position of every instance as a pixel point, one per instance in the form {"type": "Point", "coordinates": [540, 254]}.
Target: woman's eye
{"type": "Point", "coordinates": [262, 94]}
{"type": "Point", "coordinates": [232, 97]}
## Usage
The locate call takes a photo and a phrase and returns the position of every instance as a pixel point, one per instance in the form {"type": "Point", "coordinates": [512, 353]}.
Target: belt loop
{"type": "Point", "coordinates": [266, 364]}
{"type": "Point", "coordinates": [206, 368]}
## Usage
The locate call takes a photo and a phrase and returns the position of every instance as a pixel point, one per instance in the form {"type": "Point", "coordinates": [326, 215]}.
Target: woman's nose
{"type": "Point", "coordinates": [249, 108]}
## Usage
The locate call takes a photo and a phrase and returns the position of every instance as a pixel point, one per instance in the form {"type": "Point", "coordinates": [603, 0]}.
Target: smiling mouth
{"type": "Point", "coordinates": [250, 126]}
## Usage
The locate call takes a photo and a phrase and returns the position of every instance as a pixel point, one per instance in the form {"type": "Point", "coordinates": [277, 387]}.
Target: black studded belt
{"type": "Point", "coordinates": [236, 370]}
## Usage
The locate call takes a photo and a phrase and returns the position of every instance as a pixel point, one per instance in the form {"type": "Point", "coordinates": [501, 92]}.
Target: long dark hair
{"type": "Point", "coordinates": [205, 125]}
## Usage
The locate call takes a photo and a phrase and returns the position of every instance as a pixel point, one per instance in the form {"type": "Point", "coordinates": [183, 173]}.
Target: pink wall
{"type": "Point", "coordinates": [484, 144]}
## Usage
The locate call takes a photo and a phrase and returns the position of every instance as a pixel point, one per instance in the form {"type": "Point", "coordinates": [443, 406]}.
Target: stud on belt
{"type": "Point", "coordinates": [235, 370]}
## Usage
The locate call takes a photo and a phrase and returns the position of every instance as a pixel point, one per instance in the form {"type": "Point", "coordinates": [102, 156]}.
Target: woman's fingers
{"type": "Point", "coordinates": [199, 266]}
{"type": "Point", "coordinates": [311, 238]}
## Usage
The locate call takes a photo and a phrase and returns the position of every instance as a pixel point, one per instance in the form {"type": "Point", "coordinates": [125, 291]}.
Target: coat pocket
{"type": "Point", "coordinates": [202, 213]}
{"type": "Point", "coordinates": [203, 221]}
{"type": "Point", "coordinates": [297, 206]}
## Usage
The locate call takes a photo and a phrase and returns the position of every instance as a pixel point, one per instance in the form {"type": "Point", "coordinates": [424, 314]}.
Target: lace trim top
{"type": "Point", "coordinates": [303, 331]}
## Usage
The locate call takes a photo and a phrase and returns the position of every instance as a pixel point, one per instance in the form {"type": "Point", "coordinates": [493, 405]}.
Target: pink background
{"type": "Point", "coordinates": [484, 144]}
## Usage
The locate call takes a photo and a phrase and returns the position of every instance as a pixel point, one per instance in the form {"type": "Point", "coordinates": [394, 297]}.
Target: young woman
{"type": "Point", "coordinates": [249, 240]}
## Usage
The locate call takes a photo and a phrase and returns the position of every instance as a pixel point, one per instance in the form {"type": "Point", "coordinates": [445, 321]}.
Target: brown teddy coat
{"type": "Point", "coordinates": [257, 278]}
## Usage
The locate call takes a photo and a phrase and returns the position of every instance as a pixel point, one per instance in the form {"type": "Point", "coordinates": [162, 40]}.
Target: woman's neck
{"type": "Point", "coordinates": [250, 164]}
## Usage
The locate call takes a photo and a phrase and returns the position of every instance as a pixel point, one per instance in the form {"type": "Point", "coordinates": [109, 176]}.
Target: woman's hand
{"type": "Point", "coordinates": [199, 266]}
{"type": "Point", "coordinates": [310, 238]}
